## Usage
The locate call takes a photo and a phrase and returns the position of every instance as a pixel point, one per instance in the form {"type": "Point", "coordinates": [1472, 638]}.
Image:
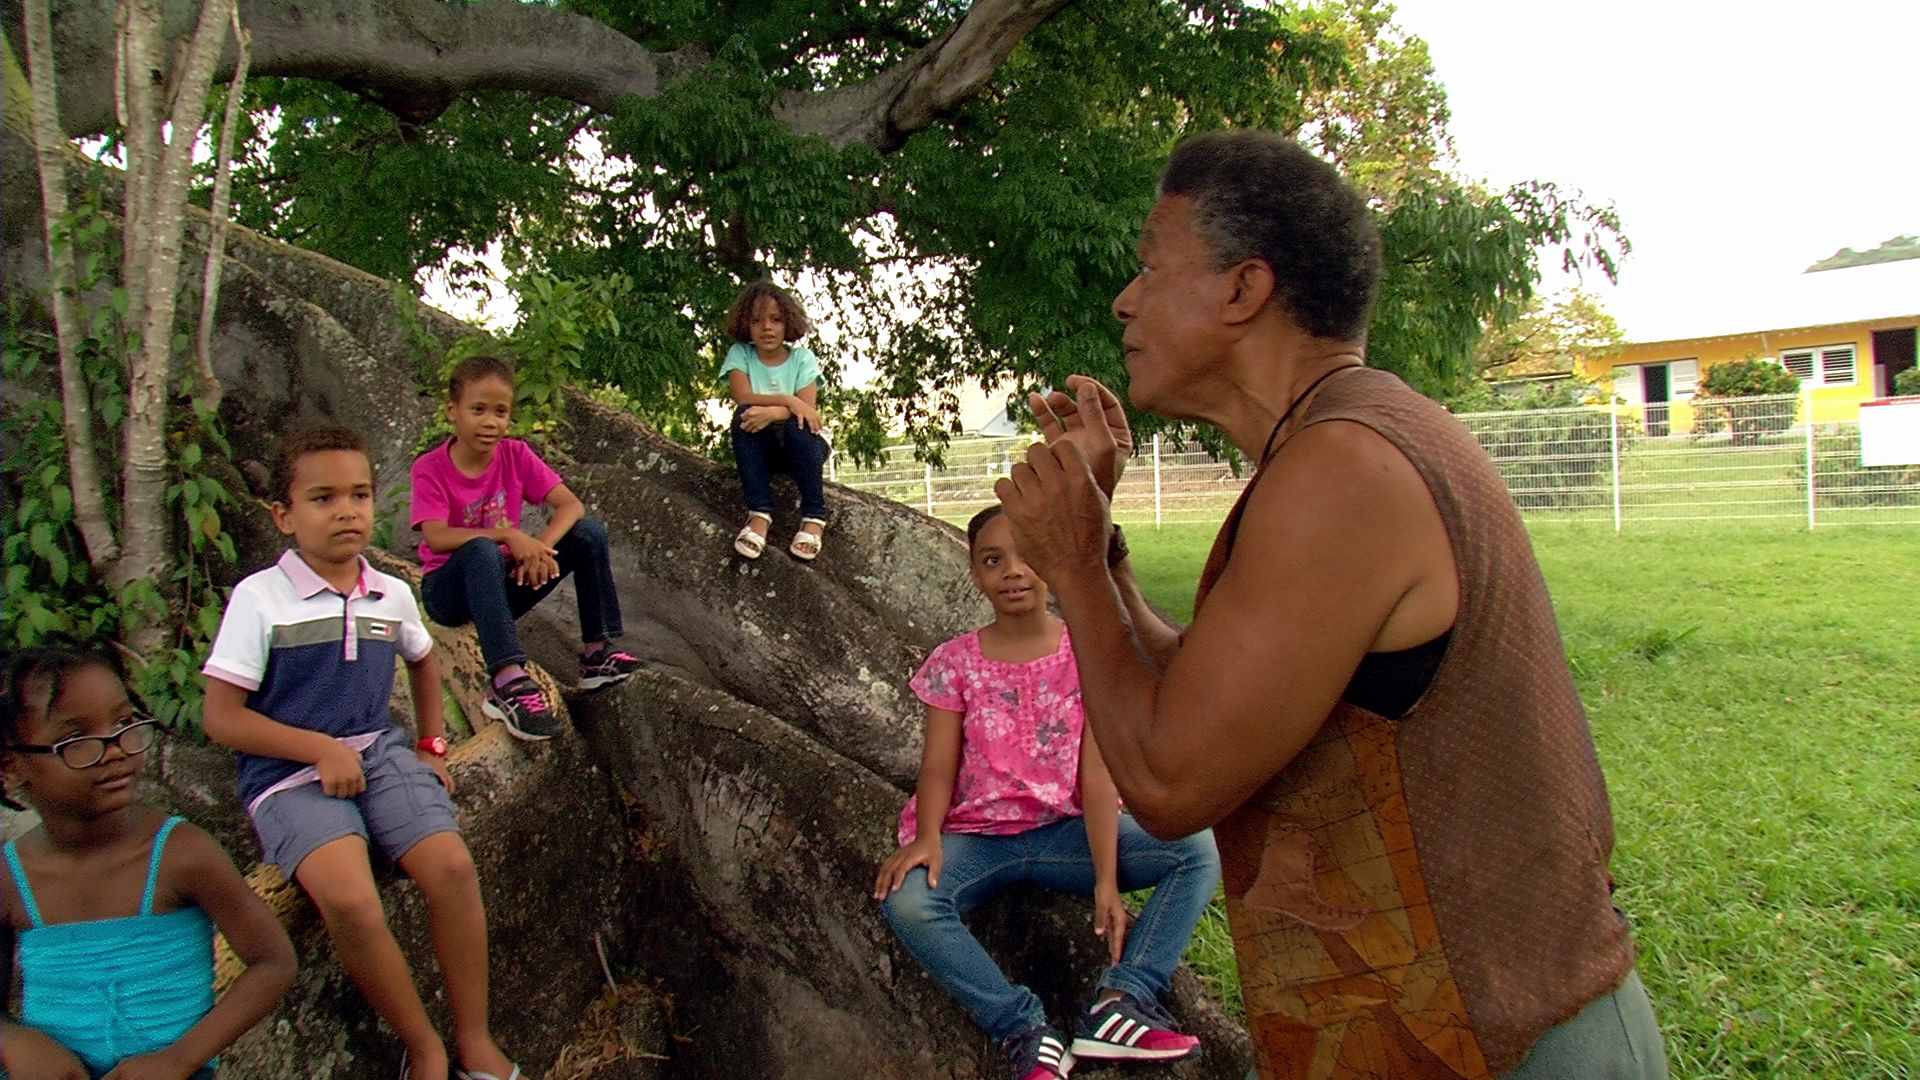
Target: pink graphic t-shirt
{"type": "Point", "coordinates": [1020, 730]}
{"type": "Point", "coordinates": [441, 492]}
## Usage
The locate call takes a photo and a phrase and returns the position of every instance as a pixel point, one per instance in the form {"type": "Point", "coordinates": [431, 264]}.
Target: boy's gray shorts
{"type": "Point", "coordinates": [403, 804]}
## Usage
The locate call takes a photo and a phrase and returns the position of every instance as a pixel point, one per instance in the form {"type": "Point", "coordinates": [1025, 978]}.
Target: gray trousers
{"type": "Point", "coordinates": [1614, 1038]}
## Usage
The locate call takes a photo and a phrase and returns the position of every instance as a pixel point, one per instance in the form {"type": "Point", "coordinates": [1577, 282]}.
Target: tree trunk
{"type": "Point", "coordinates": [138, 72]}
{"type": "Point", "coordinates": [147, 553]}
{"type": "Point", "coordinates": [76, 399]}
{"type": "Point", "coordinates": [209, 390]}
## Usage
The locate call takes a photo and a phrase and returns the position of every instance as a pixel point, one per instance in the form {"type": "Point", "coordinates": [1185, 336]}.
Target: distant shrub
{"type": "Point", "coordinates": [1907, 383]}
{"type": "Point", "coordinates": [1720, 406]}
{"type": "Point", "coordinates": [1843, 482]}
{"type": "Point", "coordinates": [1752, 377]}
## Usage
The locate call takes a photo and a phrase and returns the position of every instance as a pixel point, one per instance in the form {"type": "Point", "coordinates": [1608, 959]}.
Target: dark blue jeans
{"type": "Point", "coordinates": [781, 447]}
{"type": "Point", "coordinates": [1183, 873]}
{"type": "Point", "coordinates": [473, 586]}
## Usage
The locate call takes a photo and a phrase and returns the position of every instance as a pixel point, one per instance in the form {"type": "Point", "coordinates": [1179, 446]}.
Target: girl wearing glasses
{"type": "Point", "coordinates": [113, 904]}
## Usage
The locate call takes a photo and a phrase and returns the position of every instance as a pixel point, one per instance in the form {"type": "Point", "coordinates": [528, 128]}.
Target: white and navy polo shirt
{"type": "Point", "coordinates": [312, 657]}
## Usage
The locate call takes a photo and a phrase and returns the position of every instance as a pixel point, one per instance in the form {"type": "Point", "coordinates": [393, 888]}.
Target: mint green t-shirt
{"type": "Point", "coordinates": [801, 370]}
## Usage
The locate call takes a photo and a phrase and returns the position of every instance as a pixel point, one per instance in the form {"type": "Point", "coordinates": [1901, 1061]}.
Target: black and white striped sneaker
{"type": "Point", "coordinates": [1125, 1030]}
{"type": "Point", "coordinates": [1040, 1053]}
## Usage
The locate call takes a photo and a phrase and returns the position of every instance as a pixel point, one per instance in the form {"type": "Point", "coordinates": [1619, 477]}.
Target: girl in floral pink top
{"type": "Point", "coordinates": [1012, 790]}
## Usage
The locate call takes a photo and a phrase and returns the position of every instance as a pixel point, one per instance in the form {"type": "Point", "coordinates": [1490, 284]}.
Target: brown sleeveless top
{"type": "Point", "coordinates": [1424, 897]}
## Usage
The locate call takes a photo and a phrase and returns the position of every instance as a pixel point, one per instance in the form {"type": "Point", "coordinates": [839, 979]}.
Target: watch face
{"type": "Point", "coordinates": [436, 746]}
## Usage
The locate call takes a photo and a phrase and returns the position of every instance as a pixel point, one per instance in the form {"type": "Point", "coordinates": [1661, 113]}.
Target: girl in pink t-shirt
{"type": "Point", "coordinates": [468, 494]}
{"type": "Point", "coordinates": [1012, 790]}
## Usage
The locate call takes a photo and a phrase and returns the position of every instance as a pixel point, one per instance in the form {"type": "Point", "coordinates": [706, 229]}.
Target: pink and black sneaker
{"type": "Point", "coordinates": [1125, 1030]}
{"type": "Point", "coordinates": [1039, 1053]}
{"type": "Point", "coordinates": [524, 708]}
{"type": "Point", "coordinates": [607, 665]}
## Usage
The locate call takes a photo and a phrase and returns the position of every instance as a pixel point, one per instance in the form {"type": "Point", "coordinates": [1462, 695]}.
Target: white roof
{"type": "Point", "coordinates": [1852, 294]}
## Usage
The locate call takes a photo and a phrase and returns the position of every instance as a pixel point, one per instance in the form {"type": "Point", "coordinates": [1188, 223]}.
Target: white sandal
{"type": "Point", "coordinates": [806, 545]}
{"type": "Point", "coordinates": [749, 543]}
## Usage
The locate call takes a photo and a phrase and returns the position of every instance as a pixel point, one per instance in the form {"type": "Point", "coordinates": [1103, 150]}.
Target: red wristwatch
{"type": "Point", "coordinates": [436, 746]}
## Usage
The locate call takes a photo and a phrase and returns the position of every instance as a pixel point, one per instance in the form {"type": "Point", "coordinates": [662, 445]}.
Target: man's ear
{"type": "Point", "coordinates": [1251, 285]}
{"type": "Point", "coordinates": [282, 517]}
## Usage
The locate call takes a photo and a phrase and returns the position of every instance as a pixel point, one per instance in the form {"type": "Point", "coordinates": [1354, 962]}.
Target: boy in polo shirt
{"type": "Point", "coordinates": [298, 683]}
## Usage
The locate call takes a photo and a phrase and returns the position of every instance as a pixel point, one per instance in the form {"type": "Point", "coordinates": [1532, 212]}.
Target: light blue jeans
{"type": "Point", "coordinates": [1184, 874]}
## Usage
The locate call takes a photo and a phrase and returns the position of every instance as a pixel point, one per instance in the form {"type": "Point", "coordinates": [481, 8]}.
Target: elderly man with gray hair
{"type": "Point", "coordinates": [1372, 707]}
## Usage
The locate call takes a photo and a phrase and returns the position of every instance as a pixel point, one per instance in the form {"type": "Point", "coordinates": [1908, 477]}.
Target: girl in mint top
{"type": "Point", "coordinates": [112, 904]}
{"type": "Point", "coordinates": [776, 417]}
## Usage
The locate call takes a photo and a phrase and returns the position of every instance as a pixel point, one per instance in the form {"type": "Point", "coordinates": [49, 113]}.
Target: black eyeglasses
{"type": "Point", "coordinates": [86, 751]}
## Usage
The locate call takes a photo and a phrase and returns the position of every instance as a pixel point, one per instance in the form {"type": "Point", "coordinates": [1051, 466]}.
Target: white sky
{"type": "Point", "coordinates": [1740, 142]}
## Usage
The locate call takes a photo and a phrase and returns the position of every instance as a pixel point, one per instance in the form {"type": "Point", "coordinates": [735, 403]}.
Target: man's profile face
{"type": "Point", "coordinates": [1170, 311]}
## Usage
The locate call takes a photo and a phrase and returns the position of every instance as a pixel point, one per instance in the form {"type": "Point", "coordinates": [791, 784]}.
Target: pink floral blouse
{"type": "Point", "coordinates": [1019, 742]}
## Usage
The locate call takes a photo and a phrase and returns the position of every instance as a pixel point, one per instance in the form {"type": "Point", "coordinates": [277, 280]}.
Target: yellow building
{"type": "Point", "coordinates": [1841, 363]}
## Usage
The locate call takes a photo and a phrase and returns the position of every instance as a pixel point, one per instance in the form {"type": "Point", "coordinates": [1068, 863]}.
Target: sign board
{"type": "Point", "coordinates": [1890, 432]}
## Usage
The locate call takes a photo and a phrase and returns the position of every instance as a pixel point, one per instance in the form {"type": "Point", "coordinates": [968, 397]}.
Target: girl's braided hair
{"type": "Point", "coordinates": [34, 679]}
{"type": "Point", "coordinates": [980, 522]}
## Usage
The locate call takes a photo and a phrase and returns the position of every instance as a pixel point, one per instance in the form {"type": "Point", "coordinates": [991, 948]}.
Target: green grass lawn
{"type": "Point", "coordinates": [1755, 694]}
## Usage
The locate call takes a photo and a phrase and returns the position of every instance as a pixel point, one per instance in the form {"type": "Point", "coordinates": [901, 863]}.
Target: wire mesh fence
{"type": "Point", "coordinates": [1745, 459]}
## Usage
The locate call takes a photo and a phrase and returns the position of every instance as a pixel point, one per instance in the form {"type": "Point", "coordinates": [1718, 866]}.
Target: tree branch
{"type": "Point", "coordinates": [210, 392]}
{"type": "Point", "coordinates": [910, 96]}
{"type": "Point", "coordinates": [50, 147]}
{"type": "Point", "coordinates": [414, 57]}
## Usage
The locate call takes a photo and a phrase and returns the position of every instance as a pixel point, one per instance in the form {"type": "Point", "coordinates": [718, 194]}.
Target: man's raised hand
{"type": "Point", "coordinates": [1093, 418]}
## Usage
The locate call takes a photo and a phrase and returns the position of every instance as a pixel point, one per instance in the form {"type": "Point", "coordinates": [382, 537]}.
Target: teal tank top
{"type": "Point", "coordinates": [109, 989]}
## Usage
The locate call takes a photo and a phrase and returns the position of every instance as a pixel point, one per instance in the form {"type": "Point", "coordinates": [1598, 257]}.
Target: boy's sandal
{"type": "Point", "coordinates": [476, 1074]}
{"type": "Point", "coordinates": [806, 545]}
{"type": "Point", "coordinates": [749, 543]}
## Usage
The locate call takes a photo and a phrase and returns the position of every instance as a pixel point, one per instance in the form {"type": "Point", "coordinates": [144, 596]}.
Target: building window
{"type": "Point", "coordinates": [1825, 365]}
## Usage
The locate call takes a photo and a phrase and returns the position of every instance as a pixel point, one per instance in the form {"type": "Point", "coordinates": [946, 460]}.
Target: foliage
{"type": "Point", "coordinates": [1841, 481]}
{"type": "Point", "coordinates": [1764, 775]}
{"type": "Point", "coordinates": [1895, 250]}
{"type": "Point", "coordinates": [50, 592]}
{"type": "Point", "coordinates": [1718, 406]}
{"type": "Point", "coordinates": [1748, 377]}
{"type": "Point", "coordinates": [1549, 335]}
{"type": "Point", "coordinates": [331, 171]}
{"type": "Point", "coordinates": [558, 318]}
{"type": "Point", "coordinates": [1907, 383]}
{"type": "Point", "coordinates": [1550, 457]}
{"type": "Point", "coordinates": [1460, 259]}
{"type": "Point", "coordinates": [988, 248]}
{"type": "Point", "coordinates": [1383, 120]}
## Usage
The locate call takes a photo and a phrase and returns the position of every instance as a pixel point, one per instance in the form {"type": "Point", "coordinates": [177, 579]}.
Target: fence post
{"type": "Point", "coordinates": [929, 489]}
{"type": "Point", "coordinates": [1613, 439]}
{"type": "Point", "coordinates": [1156, 481]}
{"type": "Point", "coordinates": [1812, 514]}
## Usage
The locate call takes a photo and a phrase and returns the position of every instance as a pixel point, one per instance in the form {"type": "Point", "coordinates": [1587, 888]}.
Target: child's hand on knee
{"type": "Point", "coordinates": [893, 872]}
{"type": "Point", "coordinates": [536, 571]}
{"type": "Point", "coordinates": [339, 770]}
{"type": "Point", "coordinates": [439, 766]}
